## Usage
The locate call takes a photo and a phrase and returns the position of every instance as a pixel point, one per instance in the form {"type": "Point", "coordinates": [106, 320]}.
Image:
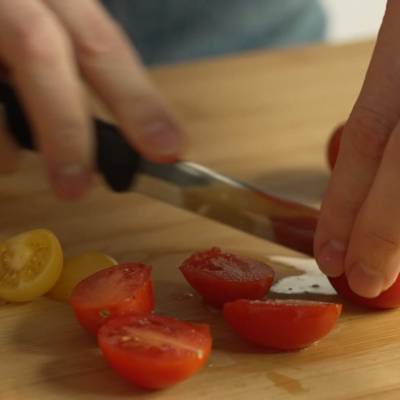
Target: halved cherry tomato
{"type": "Point", "coordinates": [220, 277]}
{"type": "Point", "coordinates": [30, 265]}
{"type": "Point", "coordinates": [334, 145]}
{"type": "Point", "coordinates": [75, 270]}
{"type": "Point", "coordinates": [282, 324]}
{"type": "Point", "coordinates": [112, 292]}
{"type": "Point", "coordinates": [390, 298]}
{"type": "Point", "coordinates": [154, 352]}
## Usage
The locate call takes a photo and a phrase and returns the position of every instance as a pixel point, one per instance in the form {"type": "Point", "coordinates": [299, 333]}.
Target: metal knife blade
{"type": "Point", "coordinates": [184, 185]}
{"type": "Point", "coordinates": [200, 190]}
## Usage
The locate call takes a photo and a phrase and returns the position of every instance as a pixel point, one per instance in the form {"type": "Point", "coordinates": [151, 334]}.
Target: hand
{"type": "Point", "coordinates": [46, 46]}
{"type": "Point", "coordinates": [359, 229]}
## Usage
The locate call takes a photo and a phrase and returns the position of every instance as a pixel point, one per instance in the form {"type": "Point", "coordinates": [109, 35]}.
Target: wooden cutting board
{"type": "Point", "coordinates": [263, 117]}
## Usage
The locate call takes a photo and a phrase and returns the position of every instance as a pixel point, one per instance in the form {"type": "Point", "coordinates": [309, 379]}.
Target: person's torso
{"type": "Point", "coordinates": [172, 30]}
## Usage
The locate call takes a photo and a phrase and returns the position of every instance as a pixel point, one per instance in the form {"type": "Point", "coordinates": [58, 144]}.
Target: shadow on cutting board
{"type": "Point", "coordinates": [304, 185]}
{"type": "Point", "coordinates": [69, 359]}
{"type": "Point", "coordinates": [90, 383]}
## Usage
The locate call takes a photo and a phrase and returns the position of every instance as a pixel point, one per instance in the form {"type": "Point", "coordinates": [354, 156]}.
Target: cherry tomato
{"type": "Point", "coordinates": [115, 291]}
{"type": "Point", "coordinates": [390, 298]}
{"type": "Point", "coordinates": [30, 265]}
{"type": "Point", "coordinates": [334, 145]}
{"type": "Point", "coordinates": [282, 324]}
{"type": "Point", "coordinates": [75, 270]}
{"type": "Point", "coordinates": [154, 352]}
{"type": "Point", "coordinates": [295, 233]}
{"type": "Point", "coordinates": [220, 277]}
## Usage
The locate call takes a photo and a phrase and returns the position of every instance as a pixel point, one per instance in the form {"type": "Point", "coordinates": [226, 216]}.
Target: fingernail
{"type": "Point", "coordinates": [365, 281]}
{"type": "Point", "coordinates": [71, 181]}
{"type": "Point", "coordinates": [161, 138]}
{"type": "Point", "coordinates": [331, 258]}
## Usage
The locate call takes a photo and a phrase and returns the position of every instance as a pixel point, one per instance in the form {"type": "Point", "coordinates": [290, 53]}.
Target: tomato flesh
{"type": "Point", "coordinates": [282, 324]}
{"type": "Point", "coordinates": [220, 277]}
{"type": "Point", "coordinates": [390, 298]}
{"type": "Point", "coordinates": [334, 146]}
{"type": "Point", "coordinates": [30, 264]}
{"type": "Point", "coordinates": [154, 352]}
{"type": "Point", "coordinates": [111, 292]}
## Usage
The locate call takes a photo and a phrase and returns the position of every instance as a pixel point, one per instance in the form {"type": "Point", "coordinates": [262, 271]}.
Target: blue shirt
{"type": "Point", "coordinates": [167, 31]}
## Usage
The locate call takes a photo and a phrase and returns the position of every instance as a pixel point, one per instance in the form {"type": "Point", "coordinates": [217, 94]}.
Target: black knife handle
{"type": "Point", "coordinates": [116, 160]}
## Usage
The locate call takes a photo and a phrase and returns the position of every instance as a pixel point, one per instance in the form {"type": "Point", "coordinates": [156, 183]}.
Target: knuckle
{"type": "Point", "coordinates": [141, 105]}
{"type": "Point", "coordinates": [147, 107]}
{"type": "Point", "coordinates": [150, 115]}
{"type": "Point", "coordinates": [384, 241]}
{"type": "Point", "coordinates": [335, 224]}
{"type": "Point", "coordinates": [341, 208]}
{"type": "Point", "coordinates": [31, 41]}
{"type": "Point", "coordinates": [71, 132]}
{"type": "Point", "coordinates": [69, 137]}
{"type": "Point", "coordinates": [369, 131]}
{"type": "Point", "coordinates": [98, 40]}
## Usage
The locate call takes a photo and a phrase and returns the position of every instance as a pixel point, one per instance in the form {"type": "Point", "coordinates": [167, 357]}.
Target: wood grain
{"type": "Point", "coordinates": [263, 117]}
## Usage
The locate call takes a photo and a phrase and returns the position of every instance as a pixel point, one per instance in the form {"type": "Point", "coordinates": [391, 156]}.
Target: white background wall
{"type": "Point", "coordinates": [353, 19]}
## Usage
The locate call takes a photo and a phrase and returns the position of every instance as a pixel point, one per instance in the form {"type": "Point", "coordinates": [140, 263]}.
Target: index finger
{"type": "Point", "coordinates": [364, 140]}
{"type": "Point", "coordinates": [37, 53]}
{"type": "Point", "coordinates": [110, 64]}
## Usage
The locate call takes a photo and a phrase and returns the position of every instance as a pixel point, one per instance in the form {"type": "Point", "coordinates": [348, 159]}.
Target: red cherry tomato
{"type": "Point", "coordinates": [390, 298]}
{"type": "Point", "coordinates": [295, 233]}
{"type": "Point", "coordinates": [282, 324]}
{"type": "Point", "coordinates": [334, 145]}
{"type": "Point", "coordinates": [115, 291]}
{"type": "Point", "coordinates": [220, 277]}
{"type": "Point", "coordinates": [154, 352]}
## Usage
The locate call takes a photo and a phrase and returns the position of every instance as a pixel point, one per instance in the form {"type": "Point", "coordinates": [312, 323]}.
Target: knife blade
{"type": "Point", "coordinates": [185, 185]}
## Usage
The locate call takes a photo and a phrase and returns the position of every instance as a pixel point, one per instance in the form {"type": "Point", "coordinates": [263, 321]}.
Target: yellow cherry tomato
{"type": "Point", "coordinates": [76, 269]}
{"type": "Point", "coordinates": [30, 265]}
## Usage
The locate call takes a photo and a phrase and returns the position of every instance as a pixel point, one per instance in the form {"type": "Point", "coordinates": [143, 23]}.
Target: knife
{"type": "Point", "coordinates": [184, 184]}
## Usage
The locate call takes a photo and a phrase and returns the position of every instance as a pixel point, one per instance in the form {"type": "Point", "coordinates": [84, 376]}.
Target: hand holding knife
{"type": "Point", "coordinates": [184, 185]}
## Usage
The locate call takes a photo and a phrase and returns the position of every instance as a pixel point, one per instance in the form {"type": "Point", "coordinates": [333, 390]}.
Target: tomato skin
{"type": "Point", "coordinates": [334, 145]}
{"type": "Point", "coordinates": [389, 299]}
{"type": "Point", "coordinates": [296, 233]}
{"type": "Point", "coordinates": [282, 324]}
{"type": "Point", "coordinates": [30, 265]}
{"type": "Point", "coordinates": [153, 365]}
{"type": "Point", "coordinates": [220, 277]}
{"type": "Point", "coordinates": [75, 270]}
{"type": "Point", "coordinates": [111, 292]}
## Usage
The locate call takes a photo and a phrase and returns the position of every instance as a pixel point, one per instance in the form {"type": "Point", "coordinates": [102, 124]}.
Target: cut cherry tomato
{"type": "Point", "coordinates": [75, 270]}
{"type": "Point", "coordinates": [112, 292]}
{"type": "Point", "coordinates": [390, 298]}
{"type": "Point", "coordinates": [30, 265]}
{"type": "Point", "coordinates": [154, 352]}
{"type": "Point", "coordinates": [282, 324]}
{"type": "Point", "coordinates": [334, 145]}
{"type": "Point", "coordinates": [295, 233]}
{"type": "Point", "coordinates": [220, 277]}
